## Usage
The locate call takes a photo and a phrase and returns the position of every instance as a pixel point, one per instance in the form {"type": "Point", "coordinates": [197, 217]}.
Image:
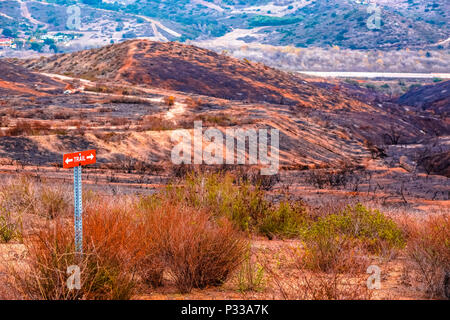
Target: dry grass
{"type": "Point", "coordinates": [155, 123]}
{"type": "Point", "coordinates": [187, 237]}
{"type": "Point", "coordinates": [127, 242]}
{"type": "Point", "coordinates": [429, 250]}
{"type": "Point", "coordinates": [107, 263]}
{"type": "Point", "coordinates": [129, 100]}
{"type": "Point", "coordinates": [27, 128]}
{"type": "Point", "coordinates": [342, 282]}
{"type": "Point", "coordinates": [25, 196]}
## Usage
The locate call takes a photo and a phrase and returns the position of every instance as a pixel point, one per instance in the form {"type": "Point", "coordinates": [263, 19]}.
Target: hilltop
{"type": "Point", "coordinates": [186, 68]}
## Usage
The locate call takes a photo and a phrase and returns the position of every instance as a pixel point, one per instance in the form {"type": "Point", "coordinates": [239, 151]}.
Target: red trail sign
{"type": "Point", "coordinates": [81, 158]}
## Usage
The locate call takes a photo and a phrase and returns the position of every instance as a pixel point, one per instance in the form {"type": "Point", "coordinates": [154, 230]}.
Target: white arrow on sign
{"type": "Point", "coordinates": [90, 157]}
{"type": "Point", "coordinates": [69, 160]}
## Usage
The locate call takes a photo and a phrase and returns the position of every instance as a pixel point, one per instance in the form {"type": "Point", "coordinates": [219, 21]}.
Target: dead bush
{"type": "Point", "coordinates": [62, 115]}
{"type": "Point", "coordinates": [304, 284]}
{"type": "Point", "coordinates": [4, 121]}
{"type": "Point", "coordinates": [54, 202]}
{"type": "Point", "coordinates": [129, 100]}
{"type": "Point", "coordinates": [119, 121]}
{"type": "Point", "coordinates": [99, 88]}
{"type": "Point", "coordinates": [345, 175]}
{"type": "Point", "coordinates": [19, 195]}
{"type": "Point", "coordinates": [155, 123]}
{"type": "Point", "coordinates": [110, 137]}
{"type": "Point", "coordinates": [429, 249]}
{"type": "Point", "coordinates": [219, 119]}
{"type": "Point", "coordinates": [194, 103]}
{"type": "Point", "coordinates": [197, 251]}
{"type": "Point", "coordinates": [392, 136]}
{"type": "Point", "coordinates": [107, 265]}
{"type": "Point", "coordinates": [22, 128]}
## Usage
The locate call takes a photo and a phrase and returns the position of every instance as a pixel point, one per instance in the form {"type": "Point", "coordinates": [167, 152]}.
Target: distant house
{"type": "Point", "coordinates": [55, 38]}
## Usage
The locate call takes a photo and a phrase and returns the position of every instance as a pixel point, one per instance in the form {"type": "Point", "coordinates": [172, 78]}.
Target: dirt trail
{"type": "Point", "coordinates": [177, 110]}
{"type": "Point", "coordinates": [161, 26]}
{"type": "Point", "coordinates": [26, 14]}
{"type": "Point", "coordinates": [66, 78]}
{"type": "Point", "coordinates": [6, 16]}
{"type": "Point", "coordinates": [128, 62]}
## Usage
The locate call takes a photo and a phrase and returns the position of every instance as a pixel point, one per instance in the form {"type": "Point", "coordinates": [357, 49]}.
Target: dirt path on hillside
{"type": "Point", "coordinates": [128, 61]}
{"type": "Point", "coordinates": [27, 15]}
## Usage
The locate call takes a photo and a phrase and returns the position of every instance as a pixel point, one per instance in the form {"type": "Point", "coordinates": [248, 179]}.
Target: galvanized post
{"type": "Point", "coordinates": [78, 209]}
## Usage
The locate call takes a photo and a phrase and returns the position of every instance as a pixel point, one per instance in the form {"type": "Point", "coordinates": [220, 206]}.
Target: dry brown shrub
{"type": "Point", "coordinates": [129, 100]}
{"type": "Point", "coordinates": [62, 115]}
{"type": "Point", "coordinates": [197, 251]}
{"type": "Point", "coordinates": [119, 121]}
{"type": "Point", "coordinates": [74, 123]}
{"type": "Point", "coordinates": [342, 282]}
{"type": "Point", "coordinates": [193, 103]}
{"type": "Point", "coordinates": [43, 273]}
{"type": "Point", "coordinates": [20, 128]}
{"type": "Point", "coordinates": [53, 202]}
{"type": "Point", "coordinates": [429, 249]}
{"type": "Point", "coordinates": [155, 123]}
{"type": "Point", "coordinates": [334, 255]}
{"type": "Point", "coordinates": [104, 109]}
{"type": "Point", "coordinates": [107, 265]}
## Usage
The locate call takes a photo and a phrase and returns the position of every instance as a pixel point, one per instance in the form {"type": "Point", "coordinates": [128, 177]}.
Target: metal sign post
{"type": "Point", "coordinates": [78, 204]}
{"type": "Point", "coordinates": [75, 161]}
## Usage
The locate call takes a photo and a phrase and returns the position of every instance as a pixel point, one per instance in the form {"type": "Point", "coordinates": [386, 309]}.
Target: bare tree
{"type": "Point", "coordinates": [393, 136]}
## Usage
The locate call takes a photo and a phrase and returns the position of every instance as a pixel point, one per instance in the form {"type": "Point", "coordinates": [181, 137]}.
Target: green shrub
{"type": "Point", "coordinates": [258, 21]}
{"type": "Point", "coordinates": [244, 205]}
{"type": "Point", "coordinates": [9, 228]}
{"type": "Point", "coordinates": [225, 195]}
{"type": "Point", "coordinates": [250, 276]}
{"type": "Point", "coordinates": [287, 220]}
{"type": "Point", "coordinates": [370, 227]}
{"type": "Point", "coordinates": [330, 252]}
{"type": "Point", "coordinates": [325, 247]}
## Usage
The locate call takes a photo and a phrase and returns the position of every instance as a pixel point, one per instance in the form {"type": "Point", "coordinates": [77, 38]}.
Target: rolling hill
{"type": "Point", "coordinates": [120, 107]}
{"type": "Point", "coordinates": [174, 66]}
